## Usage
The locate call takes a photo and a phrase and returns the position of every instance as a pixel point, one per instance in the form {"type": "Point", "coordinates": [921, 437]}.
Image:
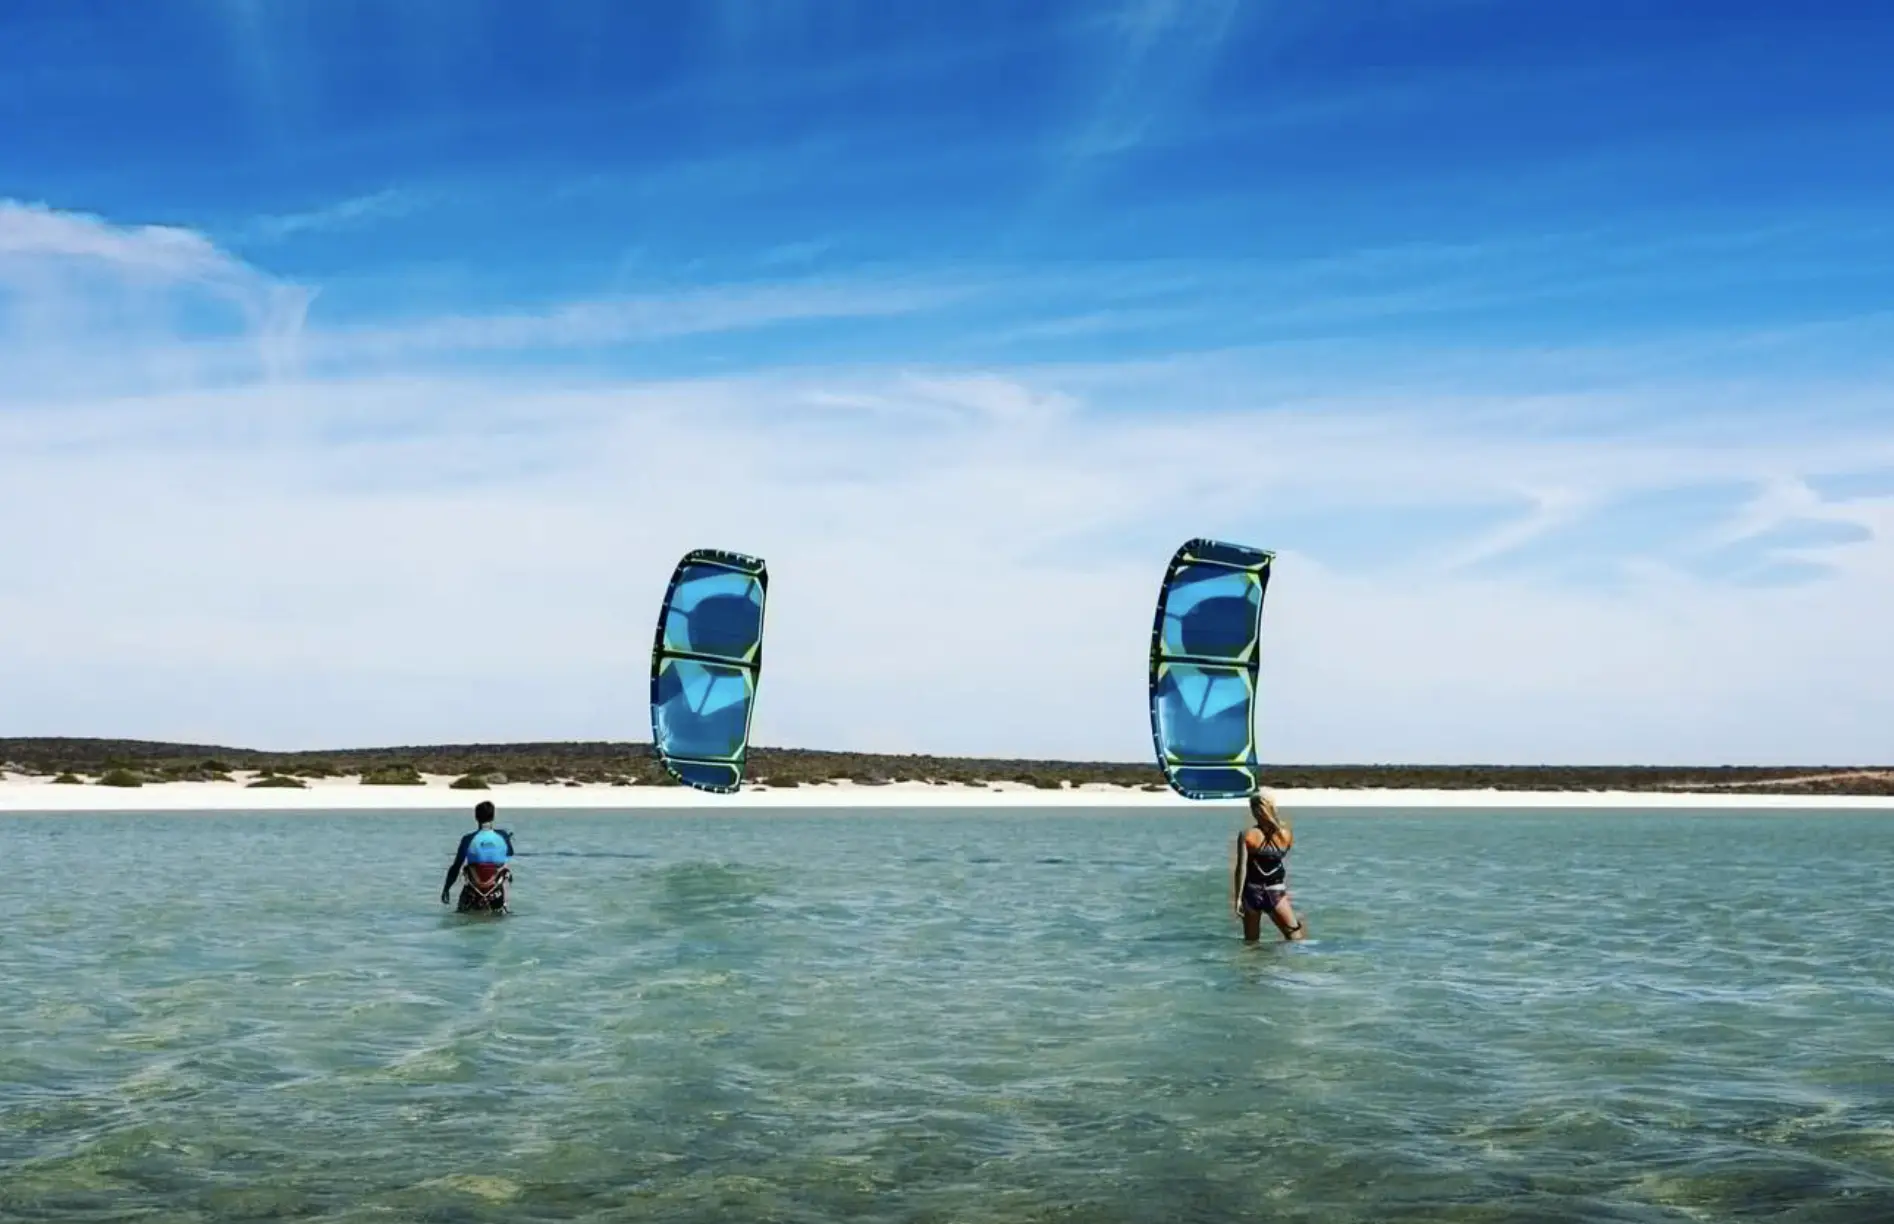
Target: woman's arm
{"type": "Point", "coordinates": [1241, 864]}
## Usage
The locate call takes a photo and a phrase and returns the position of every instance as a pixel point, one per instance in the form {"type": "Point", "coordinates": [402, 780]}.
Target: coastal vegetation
{"type": "Point", "coordinates": [401, 773]}
{"type": "Point", "coordinates": [632, 764]}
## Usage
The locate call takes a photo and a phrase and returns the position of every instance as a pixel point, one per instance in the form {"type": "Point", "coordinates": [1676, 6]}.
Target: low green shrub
{"type": "Point", "coordinates": [196, 775]}
{"type": "Point", "coordinates": [393, 775]}
{"type": "Point", "coordinates": [120, 777]}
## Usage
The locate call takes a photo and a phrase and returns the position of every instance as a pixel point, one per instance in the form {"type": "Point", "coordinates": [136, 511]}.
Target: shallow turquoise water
{"type": "Point", "coordinates": [967, 1017]}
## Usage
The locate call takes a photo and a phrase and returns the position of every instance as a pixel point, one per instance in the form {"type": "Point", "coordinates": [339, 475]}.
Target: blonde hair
{"type": "Point", "coordinates": [1263, 804]}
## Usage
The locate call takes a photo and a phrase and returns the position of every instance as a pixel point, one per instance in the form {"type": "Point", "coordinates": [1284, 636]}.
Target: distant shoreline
{"type": "Point", "coordinates": [630, 773]}
{"type": "Point", "coordinates": [39, 795]}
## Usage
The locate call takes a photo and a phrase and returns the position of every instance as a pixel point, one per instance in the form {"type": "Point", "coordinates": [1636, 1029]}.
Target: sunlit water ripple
{"type": "Point", "coordinates": [969, 1017]}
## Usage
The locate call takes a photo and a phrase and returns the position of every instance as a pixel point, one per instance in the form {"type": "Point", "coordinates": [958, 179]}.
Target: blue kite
{"type": "Point", "coordinates": [1205, 655]}
{"type": "Point", "coordinates": [705, 665]}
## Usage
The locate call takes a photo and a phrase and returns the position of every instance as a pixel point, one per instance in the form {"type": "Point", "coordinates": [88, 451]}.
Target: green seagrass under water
{"type": "Point", "coordinates": [949, 1017]}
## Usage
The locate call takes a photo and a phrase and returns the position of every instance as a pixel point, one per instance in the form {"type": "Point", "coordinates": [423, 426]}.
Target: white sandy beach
{"type": "Point", "coordinates": [33, 794]}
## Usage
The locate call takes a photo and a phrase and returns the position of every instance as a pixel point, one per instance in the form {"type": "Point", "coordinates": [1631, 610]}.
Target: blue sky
{"type": "Point", "coordinates": [365, 367]}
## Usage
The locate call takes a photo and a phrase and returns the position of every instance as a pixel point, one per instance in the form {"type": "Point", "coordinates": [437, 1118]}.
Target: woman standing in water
{"type": "Point", "coordinates": [1261, 878]}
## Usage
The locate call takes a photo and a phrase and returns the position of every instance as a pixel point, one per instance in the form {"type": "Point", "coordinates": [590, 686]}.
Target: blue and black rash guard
{"type": "Point", "coordinates": [460, 855]}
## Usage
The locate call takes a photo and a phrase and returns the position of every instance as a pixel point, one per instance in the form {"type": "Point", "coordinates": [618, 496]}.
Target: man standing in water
{"type": "Point", "coordinates": [485, 847]}
{"type": "Point", "coordinates": [1261, 883]}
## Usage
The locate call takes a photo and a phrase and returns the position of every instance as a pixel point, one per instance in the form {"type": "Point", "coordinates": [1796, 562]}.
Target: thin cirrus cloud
{"type": "Point", "coordinates": [1155, 51]}
{"type": "Point", "coordinates": [352, 212]}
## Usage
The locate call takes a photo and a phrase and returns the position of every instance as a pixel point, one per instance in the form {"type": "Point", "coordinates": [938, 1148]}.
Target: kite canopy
{"type": "Point", "coordinates": [1205, 652]}
{"type": "Point", "coordinates": [704, 667]}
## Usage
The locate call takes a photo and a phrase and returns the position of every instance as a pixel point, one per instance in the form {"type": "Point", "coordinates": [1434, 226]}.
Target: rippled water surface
{"type": "Point", "coordinates": [949, 1017]}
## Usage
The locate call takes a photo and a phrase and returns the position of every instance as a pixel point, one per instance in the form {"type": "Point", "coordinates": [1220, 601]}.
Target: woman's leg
{"type": "Point", "coordinates": [1252, 925]}
{"type": "Point", "coordinates": [1284, 916]}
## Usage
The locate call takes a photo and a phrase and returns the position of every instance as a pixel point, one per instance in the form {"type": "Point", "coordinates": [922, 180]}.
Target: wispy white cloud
{"type": "Point", "coordinates": [1162, 48]}
{"type": "Point", "coordinates": [158, 251]}
{"type": "Point", "coordinates": [80, 284]}
{"type": "Point", "coordinates": [1288, 311]}
{"type": "Point", "coordinates": [963, 558]}
{"type": "Point", "coordinates": [1552, 508]}
{"type": "Point", "coordinates": [1781, 500]}
{"type": "Point", "coordinates": [1144, 62]}
{"type": "Point", "coordinates": [264, 63]}
{"type": "Point", "coordinates": [629, 319]}
{"type": "Point", "coordinates": [351, 213]}
{"type": "Point", "coordinates": [951, 580]}
{"type": "Point", "coordinates": [102, 307]}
